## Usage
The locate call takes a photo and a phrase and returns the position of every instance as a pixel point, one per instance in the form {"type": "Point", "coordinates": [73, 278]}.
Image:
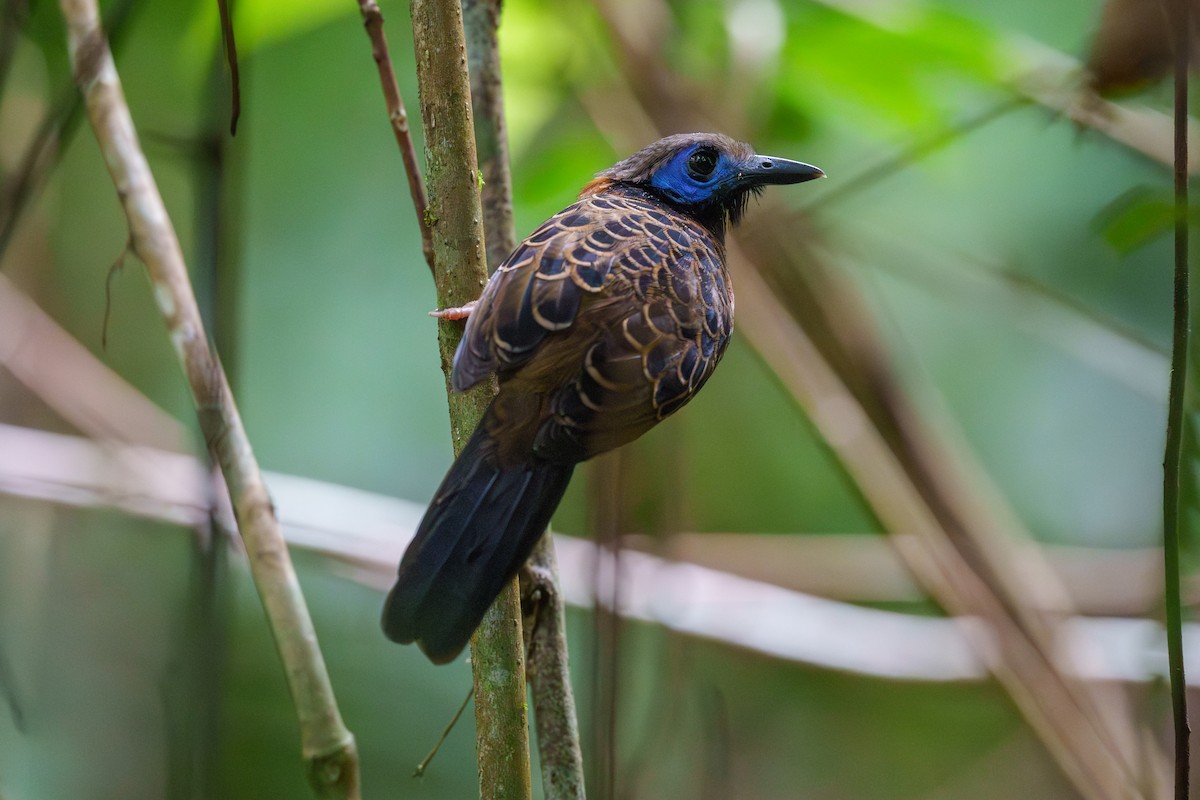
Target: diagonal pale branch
{"type": "Point", "coordinates": [455, 217]}
{"type": "Point", "coordinates": [959, 539]}
{"type": "Point", "coordinates": [329, 751]}
{"type": "Point", "coordinates": [1067, 722]}
{"type": "Point", "coordinates": [561, 757]}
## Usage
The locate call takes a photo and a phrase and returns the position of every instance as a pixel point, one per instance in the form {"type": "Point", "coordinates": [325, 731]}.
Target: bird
{"type": "Point", "coordinates": [606, 320]}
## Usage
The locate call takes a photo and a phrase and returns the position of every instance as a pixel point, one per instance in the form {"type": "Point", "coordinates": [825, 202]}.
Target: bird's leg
{"type": "Point", "coordinates": [539, 593]}
{"type": "Point", "coordinates": [455, 313]}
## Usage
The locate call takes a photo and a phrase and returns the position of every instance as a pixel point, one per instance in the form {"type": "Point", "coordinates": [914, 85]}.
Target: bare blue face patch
{"type": "Point", "coordinates": [683, 180]}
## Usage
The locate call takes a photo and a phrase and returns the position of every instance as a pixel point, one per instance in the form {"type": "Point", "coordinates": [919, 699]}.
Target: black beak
{"type": "Point", "coordinates": [768, 169]}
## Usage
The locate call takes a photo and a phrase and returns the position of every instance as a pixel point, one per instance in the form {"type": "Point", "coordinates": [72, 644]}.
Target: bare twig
{"type": "Point", "coordinates": [231, 58]}
{"type": "Point", "coordinates": [455, 215]}
{"type": "Point", "coordinates": [328, 748]}
{"type": "Point", "coordinates": [433, 751]}
{"type": "Point", "coordinates": [873, 174]}
{"type": "Point", "coordinates": [549, 675]}
{"type": "Point", "coordinates": [398, 116]}
{"type": "Point", "coordinates": [480, 21]}
{"type": "Point", "coordinates": [1179, 14]}
{"type": "Point", "coordinates": [113, 271]}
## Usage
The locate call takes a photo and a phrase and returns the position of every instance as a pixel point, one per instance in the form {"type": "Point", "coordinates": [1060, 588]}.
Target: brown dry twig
{"type": "Point", "coordinates": [398, 117]}
{"type": "Point", "coordinates": [231, 58]}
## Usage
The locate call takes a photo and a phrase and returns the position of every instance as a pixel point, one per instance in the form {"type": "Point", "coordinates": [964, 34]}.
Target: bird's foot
{"type": "Point", "coordinates": [455, 313]}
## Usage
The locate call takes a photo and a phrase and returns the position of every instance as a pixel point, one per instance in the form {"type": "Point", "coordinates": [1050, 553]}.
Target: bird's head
{"type": "Point", "coordinates": [706, 174]}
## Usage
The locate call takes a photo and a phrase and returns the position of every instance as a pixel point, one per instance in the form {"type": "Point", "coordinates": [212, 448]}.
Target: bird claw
{"type": "Point", "coordinates": [456, 312]}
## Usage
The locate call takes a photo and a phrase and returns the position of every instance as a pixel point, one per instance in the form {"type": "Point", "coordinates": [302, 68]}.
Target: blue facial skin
{"type": "Point", "coordinates": [673, 180]}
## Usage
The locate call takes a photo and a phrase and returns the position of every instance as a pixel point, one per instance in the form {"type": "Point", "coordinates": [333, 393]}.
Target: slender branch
{"type": "Point", "coordinates": [1179, 13]}
{"type": "Point", "coordinates": [481, 18]}
{"type": "Point", "coordinates": [433, 751]}
{"type": "Point", "coordinates": [549, 675]}
{"type": "Point", "coordinates": [231, 58]}
{"type": "Point", "coordinates": [398, 116]}
{"type": "Point", "coordinates": [328, 748]}
{"type": "Point", "coordinates": [913, 151]}
{"type": "Point", "coordinates": [455, 215]}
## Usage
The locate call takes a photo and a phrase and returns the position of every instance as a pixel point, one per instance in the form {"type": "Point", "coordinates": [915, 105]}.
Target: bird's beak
{"type": "Point", "coordinates": [768, 169]}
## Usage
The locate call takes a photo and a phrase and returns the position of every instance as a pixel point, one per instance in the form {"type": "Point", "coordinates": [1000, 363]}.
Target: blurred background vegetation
{"type": "Point", "coordinates": [992, 237]}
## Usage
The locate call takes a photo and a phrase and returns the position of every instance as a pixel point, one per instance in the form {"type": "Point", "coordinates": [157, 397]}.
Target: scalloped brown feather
{"type": "Point", "coordinates": [606, 320]}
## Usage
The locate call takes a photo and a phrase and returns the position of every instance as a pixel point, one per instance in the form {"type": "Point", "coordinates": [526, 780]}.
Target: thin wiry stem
{"type": "Point", "coordinates": [331, 758]}
{"type": "Point", "coordinates": [1179, 12]}
{"type": "Point", "coordinates": [398, 116]}
{"type": "Point", "coordinates": [231, 58]}
{"type": "Point", "coordinates": [875, 173]}
{"type": "Point", "coordinates": [433, 751]}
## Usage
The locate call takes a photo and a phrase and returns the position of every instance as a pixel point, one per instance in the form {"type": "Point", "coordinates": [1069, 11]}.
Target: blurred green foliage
{"type": "Point", "coordinates": [333, 358]}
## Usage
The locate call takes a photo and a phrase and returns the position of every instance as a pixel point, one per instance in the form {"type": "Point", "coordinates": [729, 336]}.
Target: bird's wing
{"type": "Point", "coordinates": [538, 289]}
{"type": "Point", "coordinates": [626, 306]}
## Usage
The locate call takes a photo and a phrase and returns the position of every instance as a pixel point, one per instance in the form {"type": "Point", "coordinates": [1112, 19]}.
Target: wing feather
{"type": "Point", "coordinates": [626, 304]}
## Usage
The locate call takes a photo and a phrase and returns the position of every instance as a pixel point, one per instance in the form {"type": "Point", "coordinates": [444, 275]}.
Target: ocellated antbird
{"type": "Point", "coordinates": [605, 321]}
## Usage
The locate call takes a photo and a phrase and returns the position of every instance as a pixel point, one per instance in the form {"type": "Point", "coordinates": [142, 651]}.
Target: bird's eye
{"type": "Point", "coordinates": [701, 163]}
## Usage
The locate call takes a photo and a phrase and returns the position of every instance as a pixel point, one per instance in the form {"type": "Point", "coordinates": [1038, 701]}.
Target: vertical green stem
{"type": "Point", "coordinates": [1179, 12]}
{"type": "Point", "coordinates": [548, 671]}
{"type": "Point", "coordinates": [455, 219]}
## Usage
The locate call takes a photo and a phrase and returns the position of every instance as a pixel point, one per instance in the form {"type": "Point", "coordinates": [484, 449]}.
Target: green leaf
{"type": "Point", "coordinates": [1137, 217]}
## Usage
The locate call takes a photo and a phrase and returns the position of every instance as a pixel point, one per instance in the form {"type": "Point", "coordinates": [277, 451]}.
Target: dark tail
{"type": "Point", "coordinates": [478, 532]}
